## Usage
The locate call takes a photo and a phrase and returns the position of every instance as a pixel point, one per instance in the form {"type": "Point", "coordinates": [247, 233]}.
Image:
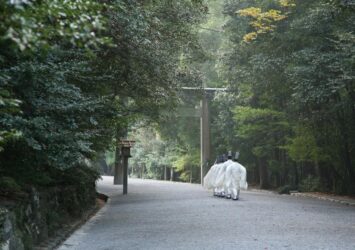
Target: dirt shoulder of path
{"type": "Point", "coordinates": [346, 200]}
{"type": "Point", "coordinates": [342, 199]}
{"type": "Point", "coordinates": [55, 241]}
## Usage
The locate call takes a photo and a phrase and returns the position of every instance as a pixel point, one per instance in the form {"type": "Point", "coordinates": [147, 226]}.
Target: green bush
{"type": "Point", "coordinates": [310, 184]}
{"type": "Point", "coordinates": [53, 221]}
{"type": "Point", "coordinates": [9, 185]}
{"type": "Point", "coordinates": [284, 189]}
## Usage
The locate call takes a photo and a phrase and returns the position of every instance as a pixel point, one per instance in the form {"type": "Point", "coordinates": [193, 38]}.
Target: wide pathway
{"type": "Point", "coordinates": [163, 215]}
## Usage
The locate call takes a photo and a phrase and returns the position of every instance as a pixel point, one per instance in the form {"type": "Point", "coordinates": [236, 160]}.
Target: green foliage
{"type": "Point", "coordinates": [155, 152]}
{"type": "Point", "coordinates": [223, 126]}
{"type": "Point", "coordinates": [303, 147]}
{"type": "Point", "coordinates": [188, 165]}
{"type": "Point", "coordinates": [300, 69]}
{"type": "Point", "coordinates": [285, 189]}
{"type": "Point", "coordinates": [34, 25]}
{"type": "Point", "coordinates": [64, 104]}
{"type": "Point", "coordinates": [58, 119]}
{"type": "Point", "coordinates": [310, 184]}
{"type": "Point", "coordinates": [148, 152]}
{"type": "Point", "coordinates": [9, 185]}
{"type": "Point", "coordinates": [53, 219]}
{"type": "Point", "coordinates": [75, 74]}
{"type": "Point", "coordinates": [27, 30]}
{"type": "Point", "coordinates": [8, 104]}
{"type": "Point", "coordinates": [264, 129]}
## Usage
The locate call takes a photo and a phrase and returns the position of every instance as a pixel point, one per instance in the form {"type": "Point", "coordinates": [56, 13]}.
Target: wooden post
{"type": "Point", "coordinates": [125, 174]}
{"type": "Point", "coordinates": [125, 153]}
{"type": "Point", "coordinates": [118, 174]}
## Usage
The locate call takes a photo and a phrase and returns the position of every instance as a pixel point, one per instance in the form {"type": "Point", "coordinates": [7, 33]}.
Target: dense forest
{"type": "Point", "coordinates": [289, 109]}
{"type": "Point", "coordinates": [76, 76]}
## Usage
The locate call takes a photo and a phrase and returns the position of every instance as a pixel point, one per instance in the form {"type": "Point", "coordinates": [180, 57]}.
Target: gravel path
{"type": "Point", "coordinates": [163, 215]}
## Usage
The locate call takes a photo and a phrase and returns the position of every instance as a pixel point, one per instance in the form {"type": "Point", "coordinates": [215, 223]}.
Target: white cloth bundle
{"type": "Point", "coordinates": [229, 176]}
{"type": "Point", "coordinates": [209, 180]}
{"type": "Point", "coordinates": [215, 176]}
{"type": "Point", "coordinates": [220, 176]}
{"type": "Point", "coordinates": [235, 177]}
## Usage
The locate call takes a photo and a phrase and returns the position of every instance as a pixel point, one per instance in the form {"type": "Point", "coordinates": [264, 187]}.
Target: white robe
{"type": "Point", "coordinates": [210, 177]}
{"type": "Point", "coordinates": [220, 176]}
{"type": "Point", "coordinates": [235, 179]}
{"type": "Point", "coordinates": [214, 179]}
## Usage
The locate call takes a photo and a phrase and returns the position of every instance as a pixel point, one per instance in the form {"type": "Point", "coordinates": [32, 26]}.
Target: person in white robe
{"type": "Point", "coordinates": [209, 180]}
{"type": "Point", "coordinates": [235, 179]}
{"type": "Point", "coordinates": [220, 178]}
{"type": "Point", "coordinates": [210, 177]}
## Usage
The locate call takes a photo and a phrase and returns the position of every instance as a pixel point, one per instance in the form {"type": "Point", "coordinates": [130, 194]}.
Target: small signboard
{"type": "Point", "coordinates": [126, 143]}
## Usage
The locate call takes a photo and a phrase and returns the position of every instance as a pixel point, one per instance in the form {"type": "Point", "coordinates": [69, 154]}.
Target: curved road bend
{"type": "Point", "coordinates": [163, 215]}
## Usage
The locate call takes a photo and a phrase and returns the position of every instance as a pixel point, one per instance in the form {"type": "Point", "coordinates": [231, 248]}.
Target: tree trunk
{"type": "Point", "coordinates": [165, 173]}
{"type": "Point", "coordinates": [263, 173]}
{"type": "Point", "coordinates": [142, 173]}
{"type": "Point", "coordinates": [297, 180]}
{"type": "Point", "coordinates": [118, 175]}
{"type": "Point", "coordinates": [345, 143]}
{"type": "Point", "coordinates": [171, 174]}
{"type": "Point", "coordinates": [256, 176]}
{"type": "Point", "coordinates": [349, 168]}
{"type": "Point", "coordinates": [316, 168]}
{"type": "Point", "coordinates": [284, 168]}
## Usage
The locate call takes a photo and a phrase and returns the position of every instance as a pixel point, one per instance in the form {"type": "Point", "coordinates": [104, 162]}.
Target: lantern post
{"type": "Point", "coordinates": [125, 153]}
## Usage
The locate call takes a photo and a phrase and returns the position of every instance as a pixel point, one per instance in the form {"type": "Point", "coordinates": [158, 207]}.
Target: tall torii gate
{"type": "Point", "coordinates": [204, 127]}
{"type": "Point", "coordinates": [204, 134]}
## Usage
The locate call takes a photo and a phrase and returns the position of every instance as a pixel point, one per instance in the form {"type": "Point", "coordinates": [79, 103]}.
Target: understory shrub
{"type": "Point", "coordinates": [310, 184]}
